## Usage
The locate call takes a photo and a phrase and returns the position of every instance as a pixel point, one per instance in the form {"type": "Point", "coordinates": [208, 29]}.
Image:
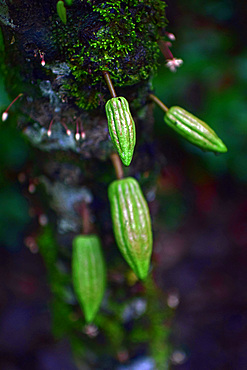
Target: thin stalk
{"type": "Point", "coordinates": [18, 96]}
{"type": "Point", "coordinates": [5, 113]}
{"type": "Point", "coordinates": [164, 48]}
{"type": "Point", "coordinates": [86, 224]}
{"type": "Point", "coordinates": [159, 102]}
{"type": "Point", "coordinates": [109, 84]}
{"type": "Point", "coordinates": [117, 165]}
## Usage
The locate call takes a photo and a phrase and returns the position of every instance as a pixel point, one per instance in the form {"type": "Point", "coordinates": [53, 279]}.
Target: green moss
{"type": "Point", "coordinates": [119, 37]}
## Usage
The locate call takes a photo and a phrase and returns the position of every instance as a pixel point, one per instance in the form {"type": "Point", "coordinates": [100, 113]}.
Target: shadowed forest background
{"type": "Point", "coordinates": [200, 215]}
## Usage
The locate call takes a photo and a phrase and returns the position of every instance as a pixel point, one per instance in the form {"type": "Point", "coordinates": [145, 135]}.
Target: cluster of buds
{"type": "Point", "coordinates": [79, 132]}
{"type": "Point", "coordinates": [49, 132]}
{"type": "Point", "coordinates": [171, 62]}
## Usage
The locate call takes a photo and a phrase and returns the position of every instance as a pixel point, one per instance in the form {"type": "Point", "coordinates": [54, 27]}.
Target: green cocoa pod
{"type": "Point", "coordinates": [121, 127]}
{"type": "Point", "coordinates": [61, 11]}
{"type": "Point", "coordinates": [194, 130]}
{"type": "Point", "coordinates": [131, 224]}
{"type": "Point", "coordinates": [88, 273]}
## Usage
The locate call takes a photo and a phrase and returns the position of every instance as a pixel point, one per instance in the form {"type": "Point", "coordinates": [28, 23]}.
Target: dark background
{"type": "Point", "coordinates": [200, 210]}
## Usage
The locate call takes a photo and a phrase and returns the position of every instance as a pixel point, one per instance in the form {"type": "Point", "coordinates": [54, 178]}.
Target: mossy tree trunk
{"type": "Point", "coordinates": [58, 67]}
{"type": "Point", "coordinates": [57, 64]}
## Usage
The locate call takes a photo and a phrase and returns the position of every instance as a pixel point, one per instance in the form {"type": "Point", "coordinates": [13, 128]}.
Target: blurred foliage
{"type": "Point", "coordinates": [14, 152]}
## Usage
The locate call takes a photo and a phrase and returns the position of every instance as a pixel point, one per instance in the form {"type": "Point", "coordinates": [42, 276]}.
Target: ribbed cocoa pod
{"type": "Point", "coordinates": [121, 128]}
{"type": "Point", "coordinates": [88, 273]}
{"type": "Point", "coordinates": [131, 224]}
{"type": "Point", "coordinates": [194, 130]}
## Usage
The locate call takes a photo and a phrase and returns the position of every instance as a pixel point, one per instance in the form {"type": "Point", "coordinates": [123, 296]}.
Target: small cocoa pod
{"type": "Point", "coordinates": [88, 273]}
{"type": "Point", "coordinates": [194, 130]}
{"type": "Point", "coordinates": [121, 127]}
{"type": "Point", "coordinates": [61, 11]}
{"type": "Point", "coordinates": [131, 224]}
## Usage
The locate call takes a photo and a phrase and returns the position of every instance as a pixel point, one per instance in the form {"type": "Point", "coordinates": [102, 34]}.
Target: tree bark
{"type": "Point", "coordinates": [58, 68]}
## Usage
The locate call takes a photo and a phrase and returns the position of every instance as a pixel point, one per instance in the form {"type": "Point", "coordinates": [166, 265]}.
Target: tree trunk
{"type": "Point", "coordinates": [55, 57]}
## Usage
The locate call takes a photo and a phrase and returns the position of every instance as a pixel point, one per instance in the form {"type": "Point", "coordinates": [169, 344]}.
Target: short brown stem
{"type": "Point", "coordinates": [109, 84]}
{"type": "Point", "coordinates": [116, 161]}
{"type": "Point", "coordinates": [159, 102]}
{"type": "Point", "coordinates": [85, 214]}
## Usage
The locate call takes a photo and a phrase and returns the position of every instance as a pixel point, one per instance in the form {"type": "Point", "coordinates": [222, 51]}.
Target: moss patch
{"type": "Point", "coordinates": [116, 36]}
